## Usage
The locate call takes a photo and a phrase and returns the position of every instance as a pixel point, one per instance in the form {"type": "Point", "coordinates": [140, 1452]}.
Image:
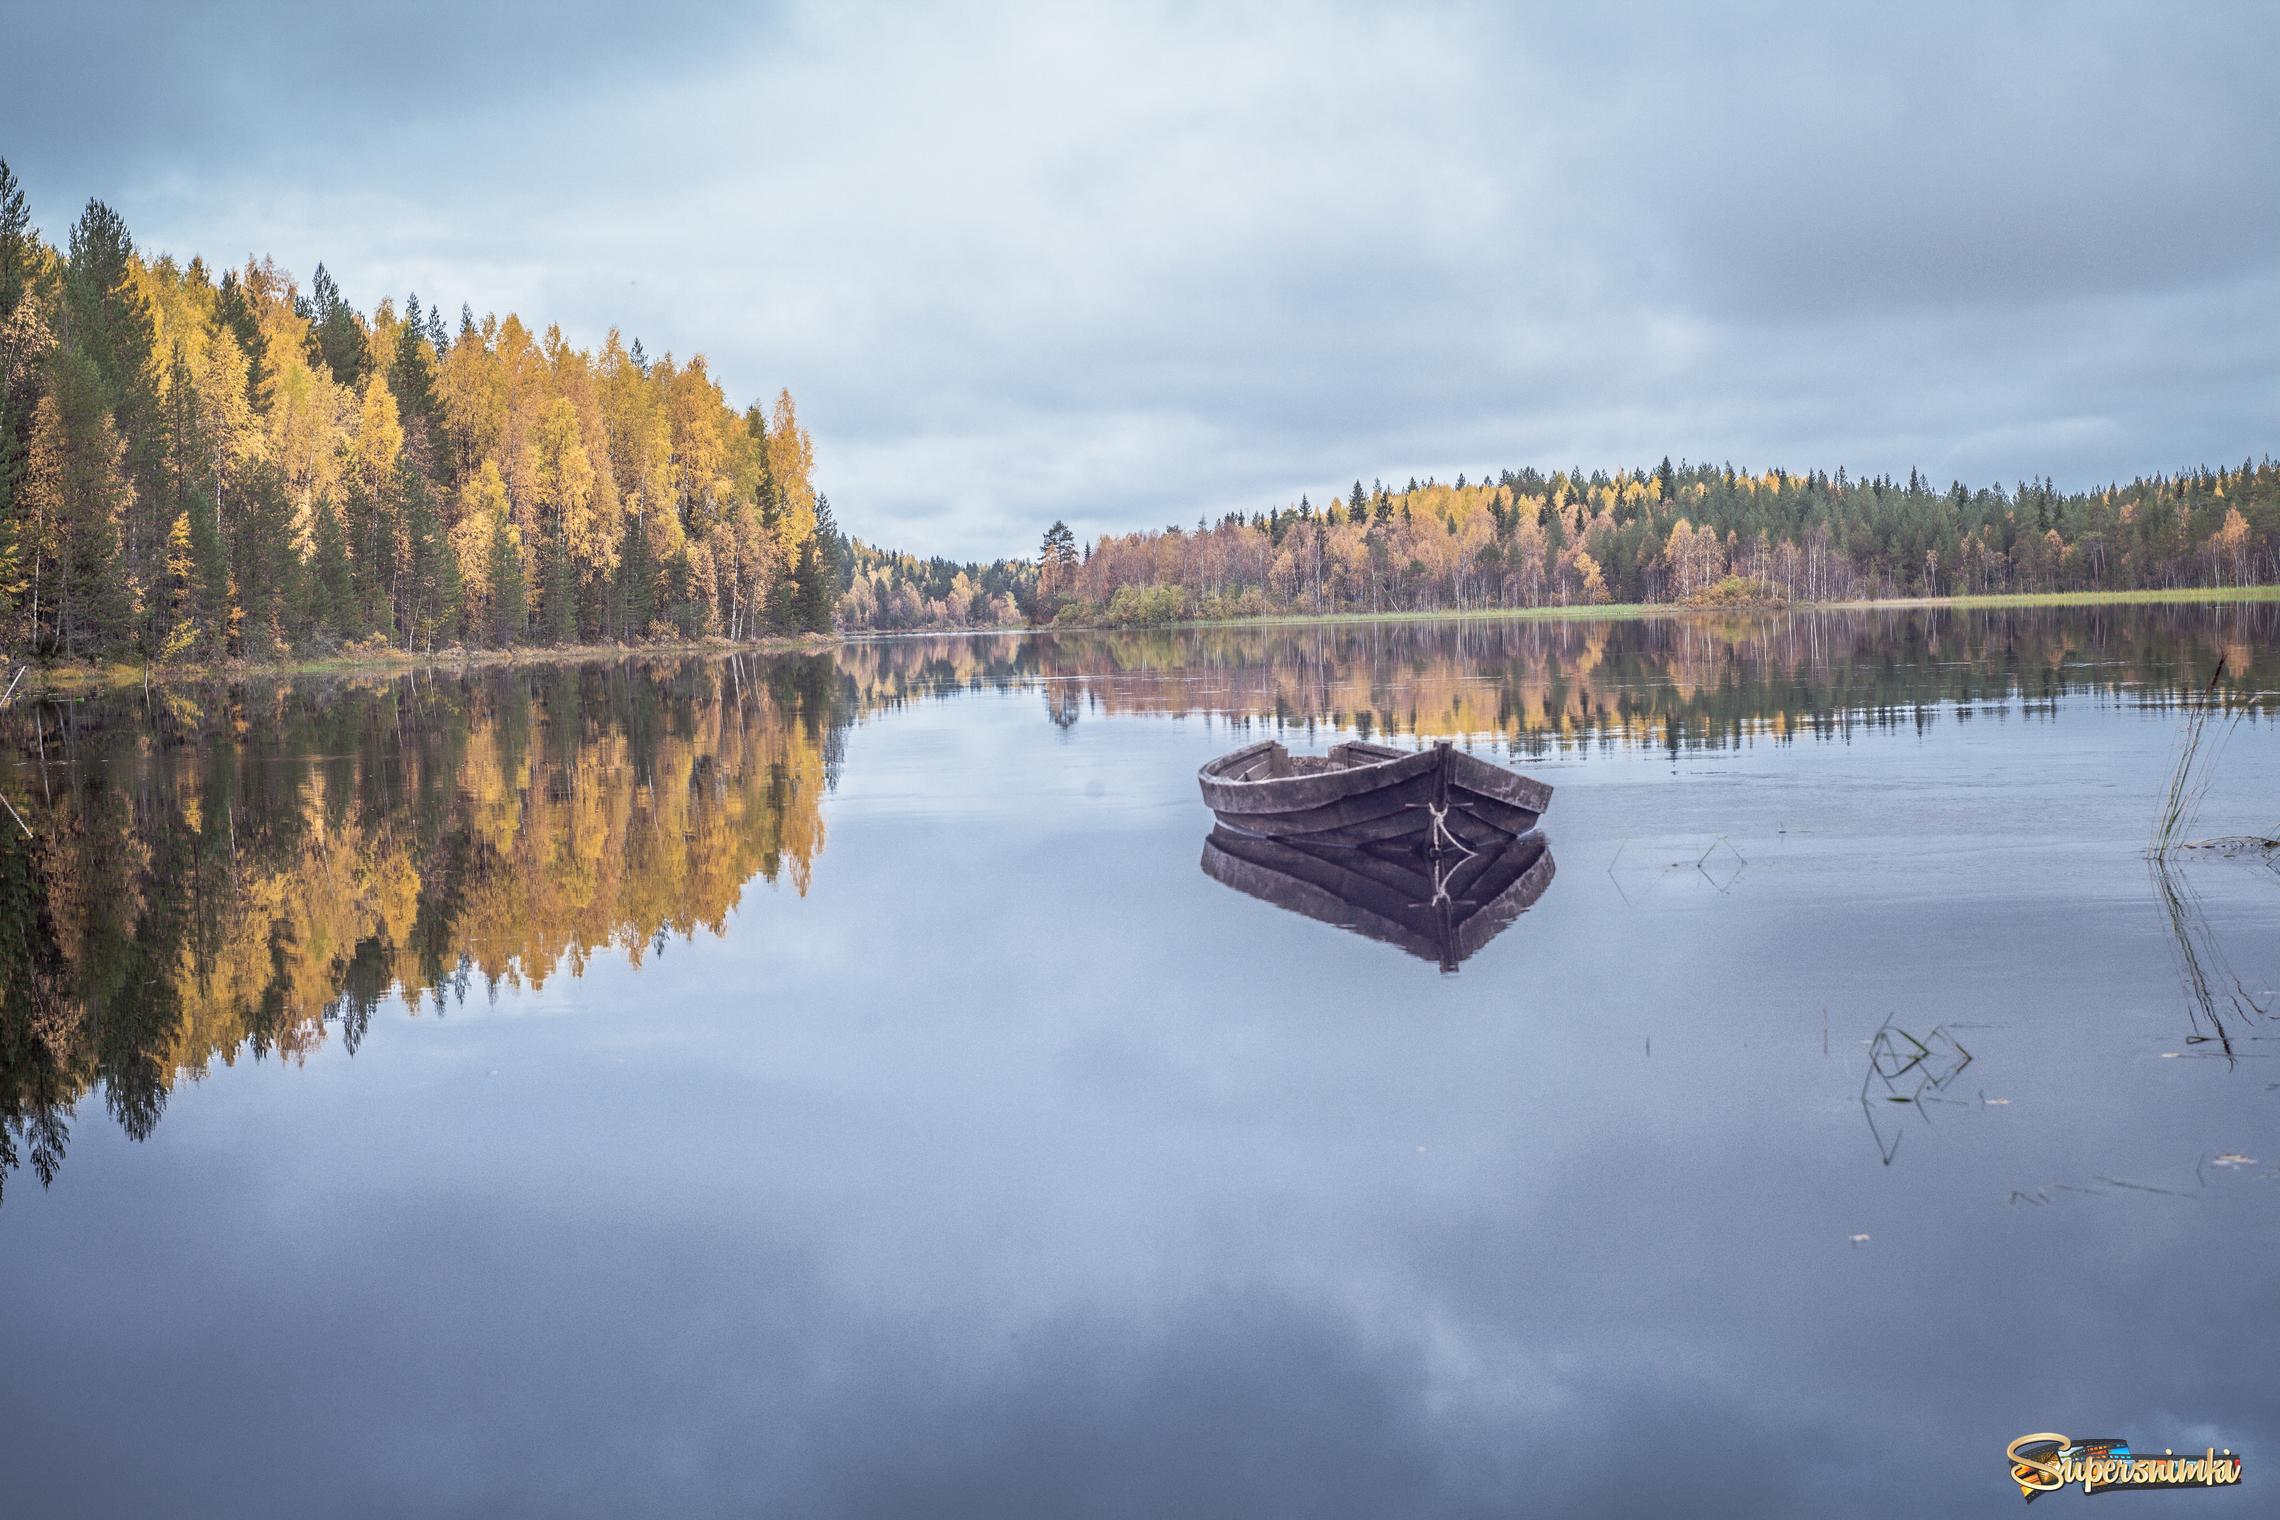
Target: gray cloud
{"type": "Point", "coordinates": [1019, 263]}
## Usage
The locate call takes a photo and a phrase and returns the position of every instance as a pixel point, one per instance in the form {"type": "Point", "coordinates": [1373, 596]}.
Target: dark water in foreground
{"type": "Point", "coordinates": [831, 1087]}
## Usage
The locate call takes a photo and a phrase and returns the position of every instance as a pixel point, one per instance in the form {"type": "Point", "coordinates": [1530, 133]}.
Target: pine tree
{"type": "Point", "coordinates": [22, 340]}
{"type": "Point", "coordinates": [74, 487]}
{"type": "Point", "coordinates": [558, 591]}
{"type": "Point", "coordinates": [813, 598]}
{"type": "Point", "coordinates": [107, 320]}
{"type": "Point", "coordinates": [336, 335]}
{"type": "Point", "coordinates": [198, 605]}
{"type": "Point", "coordinates": [636, 585]}
{"type": "Point", "coordinates": [332, 593]}
{"type": "Point", "coordinates": [430, 604]}
{"type": "Point", "coordinates": [219, 618]}
{"type": "Point", "coordinates": [180, 593]}
{"type": "Point", "coordinates": [236, 316]}
{"type": "Point", "coordinates": [510, 589]}
{"type": "Point", "coordinates": [16, 250]}
{"type": "Point", "coordinates": [411, 378]}
{"type": "Point", "coordinates": [837, 555]}
{"type": "Point", "coordinates": [267, 569]}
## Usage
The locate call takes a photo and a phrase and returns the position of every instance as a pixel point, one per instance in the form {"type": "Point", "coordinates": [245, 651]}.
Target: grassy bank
{"type": "Point", "coordinates": [2082, 598]}
{"type": "Point", "coordinates": [66, 679]}
{"type": "Point", "coordinates": [1628, 610]}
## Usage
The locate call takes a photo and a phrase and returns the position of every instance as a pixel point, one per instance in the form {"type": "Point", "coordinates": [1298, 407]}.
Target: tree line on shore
{"type": "Point", "coordinates": [1693, 533]}
{"type": "Point", "coordinates": [207, 466]}
{"type": "Point", "coordinates": [201, 467]}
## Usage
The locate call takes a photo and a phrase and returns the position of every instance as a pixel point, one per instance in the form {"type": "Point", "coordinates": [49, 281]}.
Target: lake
{"type": "Point", "coordinates": [831, 1085]}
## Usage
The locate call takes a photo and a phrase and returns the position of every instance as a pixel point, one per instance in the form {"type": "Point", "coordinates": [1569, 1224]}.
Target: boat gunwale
{"type": "Point", "coordinates": [1383, 766]}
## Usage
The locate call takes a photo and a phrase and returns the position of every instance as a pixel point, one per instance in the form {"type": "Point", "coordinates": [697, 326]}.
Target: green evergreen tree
{"type": "Point", "coordinates": [636, 585]}
{"type": "Point", "coordinates": [336, 334]}
{"type": "Point", "coordinates": [411, 377]}
{"type": "Point", "coordinates": [510, 589]}
{"type": "Point", "coordinates": [557, 591]}
{"type": "Point", "coordinates": [332, 591]}
{"type": "Point", "coordinates": [812, 595]}
{"type": "Point", "coordinates": [94, 606]}
{"type": "Point", "coordinates": [107, 320]}
{"type": "Point", "coordinates": [235, 313]}
{"type": "Point", "coordinates": [16, 247]}
{"type": "Point", "coordinates": [19, 389]}
{"type": "Point", "coordinates": [838, 555]}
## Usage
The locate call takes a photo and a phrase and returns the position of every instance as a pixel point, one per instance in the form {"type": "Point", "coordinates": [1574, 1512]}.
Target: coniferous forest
{"type": "Point", "coordinates": [1697, 534]}
{"type": "Point", "coordinates": [201, 467]}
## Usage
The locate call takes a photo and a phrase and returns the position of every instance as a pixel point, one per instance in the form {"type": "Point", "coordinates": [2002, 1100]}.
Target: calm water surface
{"type": "Point", "coordinates": [831, 1086]}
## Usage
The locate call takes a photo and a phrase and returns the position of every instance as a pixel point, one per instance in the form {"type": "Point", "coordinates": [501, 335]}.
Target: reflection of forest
{"type": "Point", "coordinates": [218, 874]}
{"type": "Point", "coordinates": [1677, 682]}
{"type": "Point", "coordinates": [233, 869]}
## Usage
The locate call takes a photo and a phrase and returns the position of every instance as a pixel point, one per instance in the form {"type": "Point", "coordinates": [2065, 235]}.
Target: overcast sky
{"type": "Point", "coordinates": [1134, 266]}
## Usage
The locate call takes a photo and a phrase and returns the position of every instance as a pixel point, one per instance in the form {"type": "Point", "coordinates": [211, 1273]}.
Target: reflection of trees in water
{"type": "Point", "coordinates": [249, 869]}
{"type": "Point", "coordinates": [1666, 682]}
{"type": "Point", "coordinates": [244, 870]}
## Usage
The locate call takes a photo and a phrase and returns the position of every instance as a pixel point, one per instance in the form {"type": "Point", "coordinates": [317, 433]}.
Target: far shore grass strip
{"type": "Point", "coordinates": [64, 679]}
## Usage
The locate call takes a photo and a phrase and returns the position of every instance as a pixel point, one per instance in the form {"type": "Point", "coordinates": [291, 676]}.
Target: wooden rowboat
{"type": "Point", "coordinates": [1439, 904]}
{"type": "Point", "coordinates": [1362, 793]}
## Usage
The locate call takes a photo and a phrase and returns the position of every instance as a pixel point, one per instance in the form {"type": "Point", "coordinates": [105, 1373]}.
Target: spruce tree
{"type": "Point", "coordinates": [838, 554]}
{"type": "Point", "coordinates": [411, 377]}
{"type": "Point", "coordinates": [107, 320]}
{"type": "Point", "coordinates": [813, 597]}
{"type": "Point", "coordinates": [332, 593]}
{"type": "Point", "coordinates": [18, 382]}
{"type": "Point", "coordinates": [336, 336]}
{"type": "Point", "coordinates": [558, 591]}
{"type": "Point", "coordinates": [510, 588]}
{"type": "Point", "coordinates": [77, 449]}
{"type": "Point", "coordinates": [15, 242]}
{"type": "Point", "coordinates": [234, 311]}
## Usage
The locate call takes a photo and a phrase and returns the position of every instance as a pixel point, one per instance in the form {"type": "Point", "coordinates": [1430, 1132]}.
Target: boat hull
{"type": "Point", "coordinates": [1362, 793]}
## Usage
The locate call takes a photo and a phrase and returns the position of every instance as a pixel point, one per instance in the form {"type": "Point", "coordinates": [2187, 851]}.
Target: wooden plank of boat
{"type": "Point", "coordinates": [1361, 792]}
{"type": "Point", "coordinates": [1472, 774]}
{"type": "Point", "coordinates": [1268, 779]}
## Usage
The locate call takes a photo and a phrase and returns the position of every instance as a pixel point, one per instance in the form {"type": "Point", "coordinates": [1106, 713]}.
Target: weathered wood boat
{"type": "Point", "coordinates": [1360, 793]}
{"type": "Point", "coordinates": [1439, 904]}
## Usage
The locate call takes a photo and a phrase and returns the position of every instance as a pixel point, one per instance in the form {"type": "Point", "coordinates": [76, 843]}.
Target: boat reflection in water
{"type": "Point", "coordinates": [1441, 904]}
{"type": "Point", "coordinates": [1429, 849]}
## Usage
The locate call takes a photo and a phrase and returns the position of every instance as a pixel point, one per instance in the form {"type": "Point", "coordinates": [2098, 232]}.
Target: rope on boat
{"type": "Point", "coordinates": [1443, 837]}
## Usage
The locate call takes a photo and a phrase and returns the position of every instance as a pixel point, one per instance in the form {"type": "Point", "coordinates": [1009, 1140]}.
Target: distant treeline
{"type": "Point", "coordinates": [888, 590]}
{"type": "Point", "coordinates": [1687, 533]}
{"type": "Point", "coordinates": [205, 468]}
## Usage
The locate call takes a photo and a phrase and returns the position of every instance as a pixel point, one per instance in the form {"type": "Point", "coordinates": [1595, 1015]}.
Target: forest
{"type": "Point", "coordinates": [1689, 534]}
{"type": "Point", "coordinates": [199, 466]}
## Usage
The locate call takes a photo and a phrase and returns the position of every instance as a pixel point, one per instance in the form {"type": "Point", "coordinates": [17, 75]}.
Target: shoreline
{"type": "Point", "coordinates": [1624, 611]}
{"type": "Point", "coordinates": [81, 677]}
